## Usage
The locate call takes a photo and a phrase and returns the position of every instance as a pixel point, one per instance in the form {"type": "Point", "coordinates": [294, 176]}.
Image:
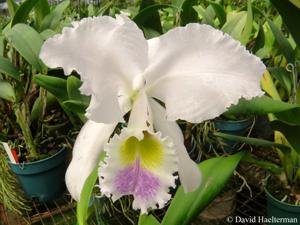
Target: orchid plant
{"type": "Point", "coordinates": [192, 73]}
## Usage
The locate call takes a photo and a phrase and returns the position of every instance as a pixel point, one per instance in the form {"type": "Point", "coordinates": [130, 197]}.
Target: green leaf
{"type": "Point", "coordinates": [28, 43]}
{"type": "Point", "coordinates": [246, 34]}
{"type": "Point", "coordinates": [56, 86]}
{"type": "Point", "coordinates": [259, 40]}
{"type": "Point", "coordinates": [282, 42]}
{"type": "Point", "coordinates": [186, 206]}
{"type": "Point", "coordinates": [235, 24]}
{"type": "Point", "coordinates": [7, 92]}
{"type": "Point", "coordinates": [23, 11]}
{"type": "Point", "coordinates": [147, 220]}
{"type": "Point", "coordinates": [91, 10]}
{"type": "Point", "coordinates": [42, 9]}
{"type": "Point", "coordinates": [37, 106]}
{"type": "Point", "coordinates": [146, 15]}
{"type": "Point", "coordinates": [252, 141]}
{"type": "Point", "coordinates": [291, 117]}
{"type": "Point", "coordinates": [283, 76]}
{"type": "Point", "coordinates": [290, 15]}
{"type": "Point", "coordinates": [150, 33]}
{"type": "Point", "coordinates": [8, 68]}
{"type": "Point", "coordinates": [51, 21]}
{"type": "Point", "coordinates": [12, 7]}
{"type": "Point", "coordinates": [73, 85]}
{"type": "Point", "coordinates": [188, 14]}
{"type": "Point", "coordinates": [105, 8]}
{"type": "Point", "coordinates": [295, 3]}
{"type": "Point", "coordinates": [86, 193]}
{"type": "Point", "coordinates": [260, 106]}
{"type": "Point", "coordinates": [207, 19]}
{"type": "Point", "coordinates": [220, 12]}
{"type": "Point", "coordinates": [48, 33]}
{"type": "Point", "coordinates": [151, 13]}
{"type": "Point", "coordinates": [2, 47]}
{"type": "Point", "coordinates": [290, 132]}
{"type": "Point", "coordinates": [263, 164]}
{"type": "Point", "coordinates": [75, 106]}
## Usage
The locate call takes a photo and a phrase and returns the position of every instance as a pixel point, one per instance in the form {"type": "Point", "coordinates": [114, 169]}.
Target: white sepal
{"type": "Point", "coordinates": [86, 152]}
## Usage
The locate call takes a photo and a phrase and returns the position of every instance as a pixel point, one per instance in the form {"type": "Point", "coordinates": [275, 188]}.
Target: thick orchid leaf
{"type": "Point", "coordinates": [56, 86]}
{"type": "Point", "coordinates": [23, 11]}
{"type": "Point", "coordinates": [73, 85]}
{"type": "Point", "coordinates": [220, 12]}
{"type": "Point", "coordinates": [8, 68]}
{"type": "Point", "coordinates": [147, 220]}
{"type": "Point", "coordinates": [252, 141]}
{"type": "Point", "coordinates": [282, 42]}
{"type": "Point", "coordinates": [246, 34]}
{"type": "Point", "coordinates": [51, 21]}
{"type": "Point", "coordinates": [7, 92]}
{"type": "Point", "coordinates": [290, 132]}
{"type": "Point", "coordinates": [83, 204]}
{"type": "Point", "coordinates": [41, 10]}
{"type": "Point", "coordinates": [290, 117]}
{"type": "Point", "coordinates": [12, 7]}
{"type": "Point", "coordinates": [27, 42]}
{"type": "Point", "coordinates": [185, 207]}
{"type": "Point", "coordinates": [148, 15]}
{"type": "Point", "coordinates": [86, 194]}
{"type": "Point", "coordinates": [48, 33]}
{"type": "Point", "coordinates": [259, 106]}
{"type": "Point", "coordinates": [290, 15]}
{"type": "Point", "coordinates": [75, 106]}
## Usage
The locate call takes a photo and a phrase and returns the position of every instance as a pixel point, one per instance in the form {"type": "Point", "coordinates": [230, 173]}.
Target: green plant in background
{"type": "Point", "coordinates": [29, 114]}
{"type": "Point", "coordinates": [22, 37]}
{"type": "Point", "coordinates": [29, 90]}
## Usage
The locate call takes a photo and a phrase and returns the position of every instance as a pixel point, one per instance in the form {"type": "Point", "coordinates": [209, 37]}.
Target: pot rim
{"type": "Point", "coordinates": [275, 199]}
{"type": "Point", "coordinates": [39, 161]}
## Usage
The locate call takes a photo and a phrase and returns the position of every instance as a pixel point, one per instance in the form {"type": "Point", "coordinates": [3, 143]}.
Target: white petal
{"type": "Point", "coordinates": [198, 72]}
{"type": "Point", "coordinates": [108, 53]}
{"type": "Point", "coordinates": [189, 173]}
{"type": "Point", "coordinates": [88, 146]}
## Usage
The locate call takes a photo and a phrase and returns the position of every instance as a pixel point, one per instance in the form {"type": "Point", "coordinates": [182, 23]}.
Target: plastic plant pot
{"type": "Point", "coordinates": [43, 180]}
{"type": "Point", "coordinates": [278, 210]}
{"type": "Point", "coordinates": [234, 127]}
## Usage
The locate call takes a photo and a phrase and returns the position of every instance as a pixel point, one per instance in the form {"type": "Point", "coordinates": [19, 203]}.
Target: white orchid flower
{"type": "Point", "coordinates": [196, 71]}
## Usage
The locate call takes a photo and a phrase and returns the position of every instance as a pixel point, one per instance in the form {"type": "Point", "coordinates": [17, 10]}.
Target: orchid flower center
{"type": "Point", "coordinates": [148, 151]}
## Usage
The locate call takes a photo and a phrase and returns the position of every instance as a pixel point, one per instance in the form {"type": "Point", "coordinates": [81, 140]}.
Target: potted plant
{"type": "Point", "coordinates": [37, 155]}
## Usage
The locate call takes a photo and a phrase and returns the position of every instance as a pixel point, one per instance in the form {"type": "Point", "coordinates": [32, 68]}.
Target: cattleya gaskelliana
{"type": "Point", "coordinates": [196, 71]}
